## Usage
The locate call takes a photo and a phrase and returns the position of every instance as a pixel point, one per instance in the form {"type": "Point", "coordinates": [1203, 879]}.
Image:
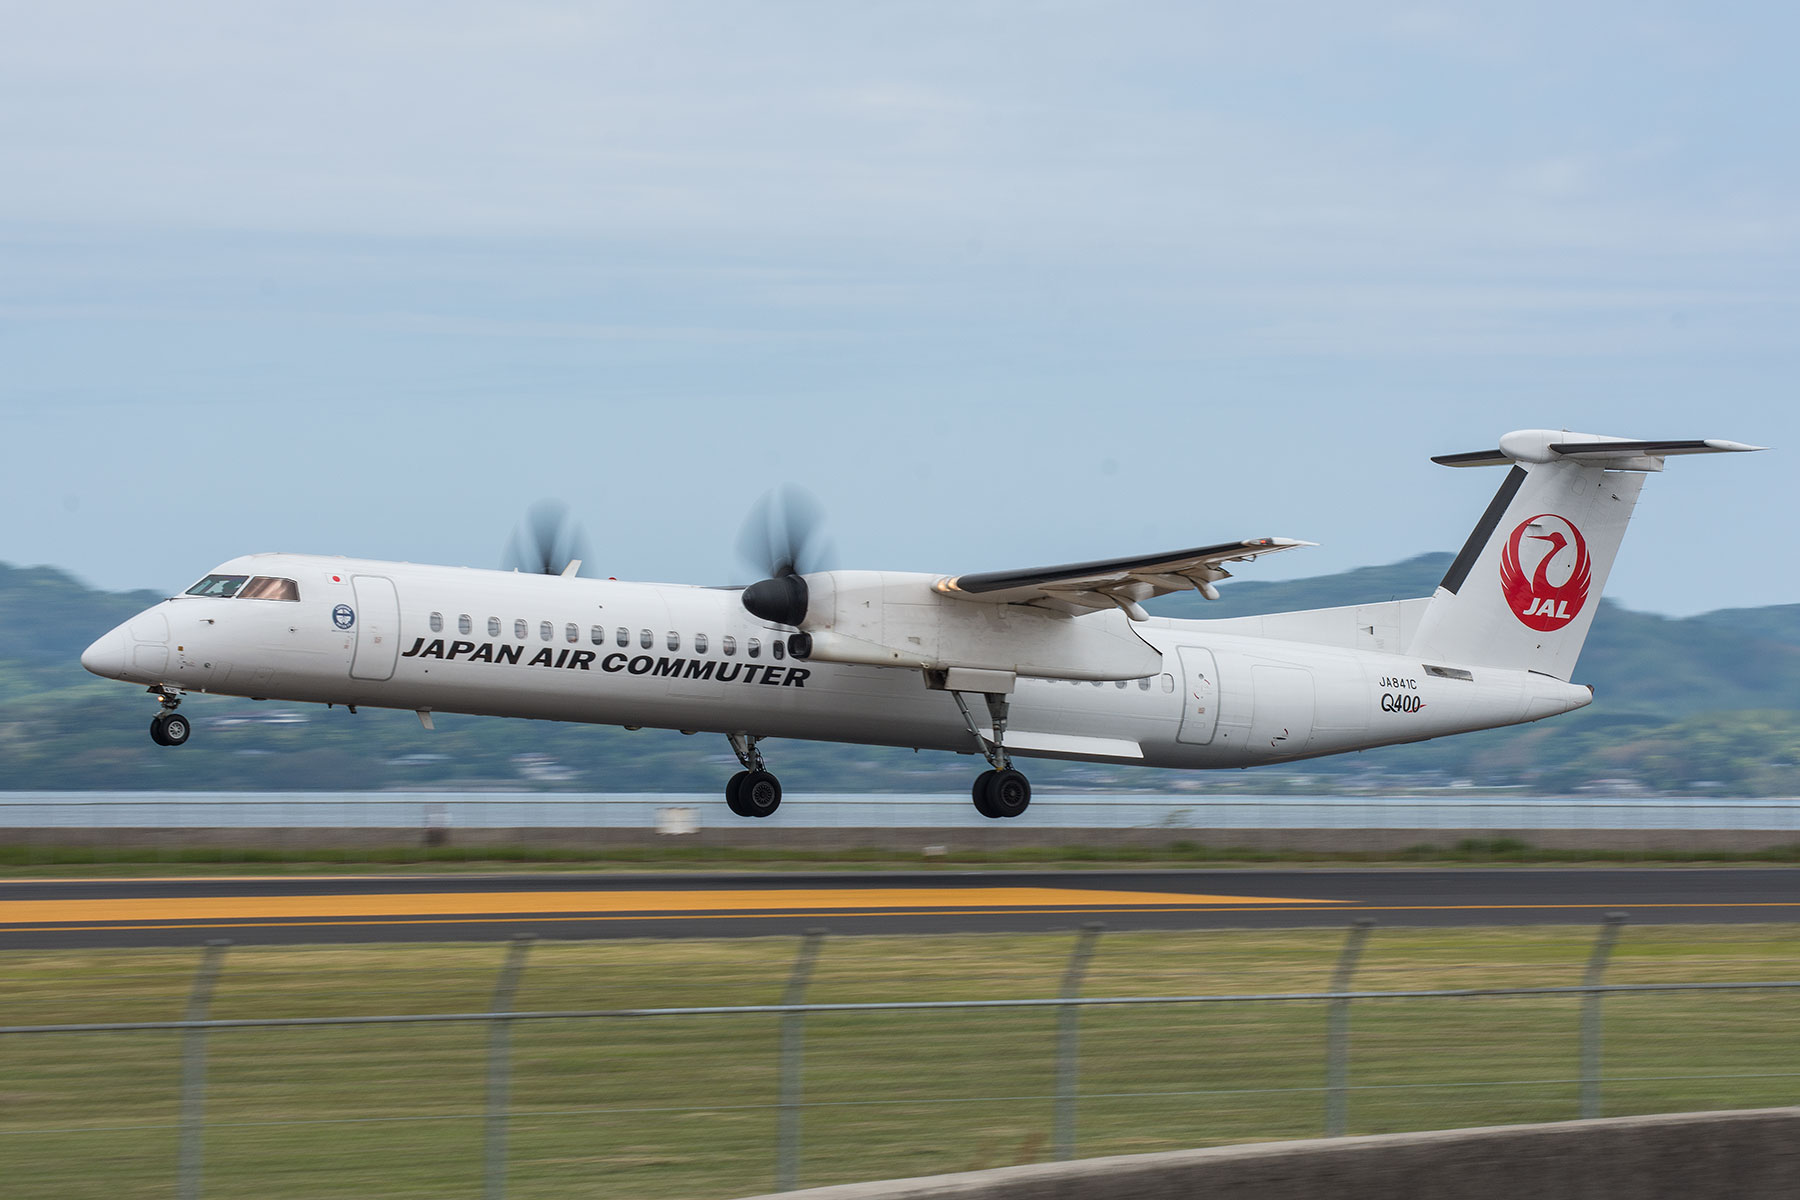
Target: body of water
{"type": "Point", "coordinates": [488, 810]}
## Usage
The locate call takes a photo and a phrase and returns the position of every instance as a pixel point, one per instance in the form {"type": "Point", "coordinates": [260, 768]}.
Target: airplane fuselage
{"type": "Point", "coordinates": [460, 640]}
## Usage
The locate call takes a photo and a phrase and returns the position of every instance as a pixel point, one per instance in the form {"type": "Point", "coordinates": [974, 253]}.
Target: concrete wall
{"type": "Point", "coordinates": [1752, 1155]}
{"type": "Point", "coordinates": [1001, 835]}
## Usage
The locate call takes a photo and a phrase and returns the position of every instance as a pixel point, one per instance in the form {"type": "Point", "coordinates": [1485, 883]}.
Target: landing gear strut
{"type": "Point", "coordinates": [168, 727]}
{"type": "Point", "coordinates": [1002, 791]}
{"type": "Point", "coordinates": [752, 792]}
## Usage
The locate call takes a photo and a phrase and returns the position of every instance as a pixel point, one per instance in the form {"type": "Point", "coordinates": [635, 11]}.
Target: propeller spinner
{"type": "Point", "coordinates": [782, 538]}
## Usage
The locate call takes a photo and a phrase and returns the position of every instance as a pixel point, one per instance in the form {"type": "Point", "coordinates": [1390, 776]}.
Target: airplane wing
{"type": "Point", "coordinates": [1076, 588]}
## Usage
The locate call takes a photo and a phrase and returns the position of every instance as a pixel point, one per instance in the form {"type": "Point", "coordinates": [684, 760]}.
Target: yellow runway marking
{"type": "Point", "coordinates": [762, 901]}
{"type": "Point", "coordinates": [1290, 906]}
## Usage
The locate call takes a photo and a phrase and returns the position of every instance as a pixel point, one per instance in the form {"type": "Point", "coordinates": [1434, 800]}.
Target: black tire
{"type": "Point", "coordinates": [175, 729]}
{"type": "Point", "coordinates": [759, 795]}
{"type": "Point", "coordinates": [980, 793]}
{"type": "Point", "coordinates": [732, 787]}
{"type": "Point", "coordinates": [156, 733]}
{"type": "Point", "coordinates": [1008, 793]}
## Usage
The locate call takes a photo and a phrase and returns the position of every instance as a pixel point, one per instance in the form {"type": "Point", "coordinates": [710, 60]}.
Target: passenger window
{"type": "Point", "coordinates": [597, 635]}
{"type": "Point", "coordinates": [753, 647]}
{"type": "Point", "coordinates": [646, 639]}
{"type": "Point", "coordinates": [1144, 684]}
{"type": "Point", "coordinates": [493, 626]}
{"type": "Point", "coordinates": [519, 629]}
{"type": "Point", "coordinates": [1168, 683]}
{"type": "Point", "coordinates": [674, 640]}
{"type": "Point", "coordinates": [1119, 683]}
{"type": "Point", "coordinates": [572, 632]}
{"type": "Point", "coordinates": [699, 643]}
{"type": "Point", "coordinates": [624, 636]}
{"type": "Point", "coordinates": [728, 645]}
{"type": "Point", "coordinates": [546, 631]}
{"type": "Point", "coordinates": [266, 588]}
{"type": "Point", "coordinates": [437, 622]}
{"type": "Point", "coordinates": [777, 649]}
{"type": "Point", "coordinates": [218, 585]}
{"type": "Point", "coordinates": [465, 624]}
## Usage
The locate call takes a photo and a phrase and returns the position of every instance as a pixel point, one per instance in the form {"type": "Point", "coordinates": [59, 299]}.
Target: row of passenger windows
{"type": "Point", "coordinates": [646, 639]}
{"type": "Point", "coordinates": [1168, 683]}
{"type": "Point", "coordinates": [621, 636]}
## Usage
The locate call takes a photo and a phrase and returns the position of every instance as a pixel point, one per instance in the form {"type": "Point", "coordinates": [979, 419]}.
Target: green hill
{"type": "Point", "coordinates": [1708, 703]}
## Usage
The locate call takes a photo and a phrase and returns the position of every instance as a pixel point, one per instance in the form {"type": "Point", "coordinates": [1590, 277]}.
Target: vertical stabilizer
{"type": "Point", "coordinates": [1524, 590]}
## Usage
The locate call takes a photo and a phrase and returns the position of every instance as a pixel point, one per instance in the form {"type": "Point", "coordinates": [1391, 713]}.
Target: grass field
{"type": "Point", "coordinates": [670, 1107]}
{"type": "Point", "coordinates": [23, 861]}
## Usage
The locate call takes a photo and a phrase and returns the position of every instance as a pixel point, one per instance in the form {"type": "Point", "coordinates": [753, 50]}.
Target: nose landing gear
{"type": "Point", "coordinates": [752, 792]}
{"type": "Point", "coordinates": [1002, 793]}
{"type": "Point", "coordinates": [168, 727]}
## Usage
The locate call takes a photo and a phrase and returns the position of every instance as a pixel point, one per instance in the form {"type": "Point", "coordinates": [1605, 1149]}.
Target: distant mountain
{"type": "Point", "coordinates": [49, 613]}
{"type": "Point", "coordinates": [1776, 623]}
{"type": "Point", "coordinates": [1364, 585]}
{"type": "Point", "coordinates": [1708, 703]}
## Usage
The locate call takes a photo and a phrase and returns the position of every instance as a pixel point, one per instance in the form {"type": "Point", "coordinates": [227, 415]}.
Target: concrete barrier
{"type": "Point", "coordinates": [1748, 1155]}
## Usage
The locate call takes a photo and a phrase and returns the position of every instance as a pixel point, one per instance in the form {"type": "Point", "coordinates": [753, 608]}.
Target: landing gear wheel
{"type": "Point", "coordinates": [169, 729]}
{"type": "Point", "coordinates": [980, 792]}
{"type": "Point", "coordinates": [759, 794]}
{"type": "Point", "coordinates": [1008, 793]}
{"type": "Point", "coordinates": [733, 787]}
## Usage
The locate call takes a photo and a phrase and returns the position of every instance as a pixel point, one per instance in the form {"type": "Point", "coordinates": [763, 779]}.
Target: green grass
{"type": "Point", "coordinates": [668, 1107]}
{"type": "Point", "coordinates": [26, 861]}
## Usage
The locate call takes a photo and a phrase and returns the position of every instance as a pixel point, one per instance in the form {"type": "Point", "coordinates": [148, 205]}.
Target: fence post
{"type": "Point", "coordinates": [787, 1149]}
{"type": "Point", "coordinates": [1068, 1059]}
{"type": "Point", "coordinates": [1337, 1031]}
{"type": "Point", "coordinates": [193, 1073]}
{"type": "Point", "coordinates": [1590, 1014]}
{"type": "Point", "coordinates": [499, 1068]}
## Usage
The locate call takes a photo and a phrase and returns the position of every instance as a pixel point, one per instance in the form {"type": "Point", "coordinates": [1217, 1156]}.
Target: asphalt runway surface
{"type": "Point", "coordinates": [265, 910]}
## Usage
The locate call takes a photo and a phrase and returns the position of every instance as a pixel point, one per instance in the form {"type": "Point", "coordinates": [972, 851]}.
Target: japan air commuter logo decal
{"type": "Point", "coordinates": [1545, 572]}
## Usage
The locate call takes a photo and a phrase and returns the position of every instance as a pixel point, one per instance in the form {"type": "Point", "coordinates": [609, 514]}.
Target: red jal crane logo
{"type": "Point", "coordinates": [1544, 549]}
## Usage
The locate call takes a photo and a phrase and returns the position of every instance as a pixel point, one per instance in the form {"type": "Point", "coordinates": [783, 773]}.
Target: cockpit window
{"type": "Point", "coordinates": [265, 587]}
{"type": "Point", "coordinates": [218, 585]}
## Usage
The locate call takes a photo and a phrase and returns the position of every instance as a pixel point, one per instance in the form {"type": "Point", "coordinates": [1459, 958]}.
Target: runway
{"type": "Point", "coordinates": [269, 910]}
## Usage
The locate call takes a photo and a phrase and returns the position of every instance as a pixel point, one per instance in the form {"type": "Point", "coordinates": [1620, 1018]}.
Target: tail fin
{"type": "Point", "coordinates": [1524, 590]}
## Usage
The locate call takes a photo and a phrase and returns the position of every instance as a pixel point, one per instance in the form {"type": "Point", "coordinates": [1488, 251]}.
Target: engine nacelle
{"type": "Point", "coordinates": [896, 619]}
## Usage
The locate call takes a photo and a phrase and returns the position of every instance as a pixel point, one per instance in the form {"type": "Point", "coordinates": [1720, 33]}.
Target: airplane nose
{"type": "Point", "coordinates": [106, 657]}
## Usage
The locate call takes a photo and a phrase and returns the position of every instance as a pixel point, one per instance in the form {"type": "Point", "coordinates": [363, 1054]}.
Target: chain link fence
{"type": "Point", "coordinates": [735, 1083]}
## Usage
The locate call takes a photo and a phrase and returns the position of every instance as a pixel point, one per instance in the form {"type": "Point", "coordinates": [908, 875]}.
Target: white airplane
{"type": "Point", "coordinates": [1057, 662]}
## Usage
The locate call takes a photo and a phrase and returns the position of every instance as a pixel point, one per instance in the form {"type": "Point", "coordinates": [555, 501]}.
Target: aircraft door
{"type": "Point", "coordinates": [377, 620]}
{"type": "Point", "coordinates": [1200, 706]}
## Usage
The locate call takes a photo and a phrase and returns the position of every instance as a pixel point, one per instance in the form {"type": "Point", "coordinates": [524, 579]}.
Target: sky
{"type": "Point", "coordinates": [1002, 284]}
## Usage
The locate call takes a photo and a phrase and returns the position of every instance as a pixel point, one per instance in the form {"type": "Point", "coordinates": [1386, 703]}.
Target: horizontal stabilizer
{"type": "Point", "coordinates": [1619, 454]}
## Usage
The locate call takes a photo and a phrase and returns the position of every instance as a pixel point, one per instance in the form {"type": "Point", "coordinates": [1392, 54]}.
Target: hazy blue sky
{"type": "Point", "coordinates": [1004, 284]}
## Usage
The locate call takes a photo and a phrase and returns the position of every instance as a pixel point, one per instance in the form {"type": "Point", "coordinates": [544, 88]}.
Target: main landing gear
{"type": "Point", "coordinates": [168, 727]}
{"type": "Point", "coordinates": [752, 792]}
{"type": "Point", "coordinates": [1001, 791]}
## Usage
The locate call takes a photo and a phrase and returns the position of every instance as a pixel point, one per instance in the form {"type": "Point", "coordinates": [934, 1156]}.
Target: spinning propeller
{"type": "Point", "coordinates": [783, 539]}
{"type": "Point", "coordinates": [547, 542]}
